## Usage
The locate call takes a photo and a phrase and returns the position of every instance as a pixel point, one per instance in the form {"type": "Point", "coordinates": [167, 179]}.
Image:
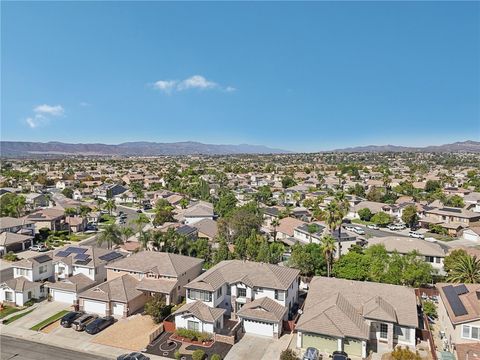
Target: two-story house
{"type": "Point", "coordinates": [200, 211]}
{"type": "Point", "coordinates": [15, 234]}
{"type": "Point", "coordinates": [258, 295]}
{"type": "Point", "coordinates": [450, 218]}
{"type": "Point", "coordinates": [357, 316]}
{"type": "Point", "coordinates": [50, 218]}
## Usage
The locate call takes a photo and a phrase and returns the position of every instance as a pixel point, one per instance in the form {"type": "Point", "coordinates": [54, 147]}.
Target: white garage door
{"type": "Point", "coordinates": [258, 327]}
{"type": "Point", "coordinates": [470, 236]}
{"type": "Point", "coordinates": [62, 296]}
{"type": "Point", "coordinates": [118, 309]}
{"type": "Point", "coordinates": [95, 307]}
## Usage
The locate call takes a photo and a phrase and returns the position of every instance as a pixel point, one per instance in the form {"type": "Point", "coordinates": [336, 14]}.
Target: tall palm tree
{"type": "Point", "coordinates": [126, 232]}
{"type": "Point", "coordinates": [466, 270]}
{"type": "Point", "coordinates": [274, 224]}
{"type": "Point", "coordinates": [141, 221]}
{"type": "Point", "coordinates": [182, 245]}
{"type": "Point", "coordinates": [333, 219]}
{"type": "Point", "coordinates": [110, 206]}
{"type": "Point", "coordinates": [144, 238]}
{"type": "Point", "coordinates": [110, 235]}
{"type": "Point", "coordinates": [328, 249]}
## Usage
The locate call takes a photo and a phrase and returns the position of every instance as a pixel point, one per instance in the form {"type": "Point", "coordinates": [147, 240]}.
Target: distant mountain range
{"type": "Point", "coordinates": [462, 146]}
{"type": "Point", "coordinates": [24, 148]}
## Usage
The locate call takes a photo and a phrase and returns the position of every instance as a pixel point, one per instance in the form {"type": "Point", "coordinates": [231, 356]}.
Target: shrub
{"type": "Point", "coordinates": [157, 308]}
{"type": "Point", "coordinates": [193, 335]}
{"type": "Point", "coordinates": [288, 354]}
{"type": "Point", "coordinates": [404, 354]}
{"type": "Point", "coordinates": [10, 256]}
{"type": "Point", "coordinates": [198, 354]}
{"type": "Point", "coordinates": [365, 214]}
{"type": "Point", "coordinates": [215, 357]}
{"type": "Point", "coordinates": [177, 355]}
{"type": "Point", "coordinates": [430, 309]}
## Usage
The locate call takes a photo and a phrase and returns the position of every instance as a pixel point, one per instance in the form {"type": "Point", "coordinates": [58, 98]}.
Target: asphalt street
{"type": "Point", "coordinates": [379, 233]}
{"type": "Point", "coordinates": [21, 349]}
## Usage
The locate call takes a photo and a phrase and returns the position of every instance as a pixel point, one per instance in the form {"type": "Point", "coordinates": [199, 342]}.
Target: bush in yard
{"type": "Point", "coordinates": [157, 308]}
{"type": "Point", "coordinates": [10, 256]}
{"type": "Point", "coordinates": [198, 355]}
{"type": "Point", "coordinates": [288, 354]}
{"type": "Point", "coordinates": [381, 219]}
{"type": "Point", "coordinates": [177, 355]}
{"type": "Point", "coordinates": [430, 309]}
{"type": "Point", "coordinates": [215, 357]}
{"type": "Point", "coordinates": [404, 354]}
{"type": "Point", "coordinates": [365, 214]}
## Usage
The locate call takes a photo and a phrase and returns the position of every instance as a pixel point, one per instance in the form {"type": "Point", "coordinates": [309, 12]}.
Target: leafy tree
{"type": "Point", "coordinates": [126, 232]}
{"type": "Point", "coordinates": [222, 253]}
{"type": "Point", "coordinates": [12, 205]}
{"type": "Point", "coordinates": [225, 204]}
{"type": "Point", "coordinates": [437, 229]}
{"type": "Point", "coordinates": [141, 221]}
{"type": "Point", "coordinates": [288, 354]}
{"type": "Point", "coordinates": [157, 308]}
{"type": "Point", "coordinates": [365, 214]}
{"type": "Point", "coordinates": [466, 270]}
{"type": "Point", "coordinates": [263, 254]}
{"type": "Point", "coordinates": [276, 252]}
{"type": "Point", "coordinates": [163, 213]}
{"type": "Point", "coordinates": [455, 201]}
{"type": "Point", "coordinates": [352, 266]}
{"type": "Point", "coordinates": [111, 235]}
{"type": "Point", "coordinates": [184, 203]}
{"type": "Point", "coordinates": [68, 192]}
{"type": "Point", "coordinates": [432, 186]}
{"type": "Point", "coordinates": [264, 194]}
{"type": "Point", "coordinates": [430, 309]}
{"type": "Point", "coordinates": [381, 219]}
{"type": "Point", "coordinates": [198, 354]}
{"type": "Point", "coordinates": [357, 190]}
{"type": "Point", "coordinates": [409, 215]}
{"type": "Point", "coordinates": [110, 206]}
{"type": "Point", "coordinates": [375, 194]}
{"type": "Point", "coordinates": [288, 181]}
{"type": "Point", "coordinates": [453, 258]}
{"type": "Point", "coordinates": [243, 220]}
{"type": "Point", "coordinates": [308, 259]}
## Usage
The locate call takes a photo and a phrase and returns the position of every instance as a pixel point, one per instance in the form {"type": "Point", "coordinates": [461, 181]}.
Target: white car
{"type": "Point", "coordinates": [415, 234]}
{"type": "Point", "coordinates": [359, 230]}
{"type": "Point", "coordinates": [350, 227]}
{"type": "Point", "coordinates": [39, 248]}
{"type": "Point", "coordinates": [373, 226]}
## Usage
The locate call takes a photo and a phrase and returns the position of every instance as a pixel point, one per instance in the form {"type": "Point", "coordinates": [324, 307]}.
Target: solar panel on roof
{"type": "Point", "coordinates": [83, 262]}
{"type": "Point", "coordinates": [461, 289]}
{"type": "Point", "coordinates": [452, 210]}
{"type": "Point", "coordinates": [62, 253]}
{"type": "Point", "coordinates": [76, 250]}
{"type": "Point", "coordinates": [43, 258]}
{"type": "Point", "coordinates": [455, 303]}
{"type": "Point", "coordinates": [110, 256]}
{"type": "Point", "coordinates": [81, 257]}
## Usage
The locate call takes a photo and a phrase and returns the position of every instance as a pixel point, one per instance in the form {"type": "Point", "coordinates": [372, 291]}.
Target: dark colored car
{"type": "Point", "coordinates": [340, 355]}
{"type": "Point", "coordinates": [133, 356]}
{"type": "Point", "coordinates": [80, 323]}
{"type": "Point", "coordinates": [99, 324]}
{"type": "Point", "coordinates": [311, 354]}
{"type": "Point", "coordinates": [69, 318]}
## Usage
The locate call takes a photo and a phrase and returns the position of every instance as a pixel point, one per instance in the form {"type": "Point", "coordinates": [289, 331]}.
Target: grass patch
{"type": "Point", "coordinates": [78, 237]}
{"type": "Point", "coordinates": [49, 320]}
{"type": "Point", "coordinates": [7, 310]}
{"type": "Point", "coordinates": [363, 222]}
{"type": "Point", "coordinates": [107, 220]}
{"type": "Point", "coordinates": [16, 317]}
{"type": "Point", "coordinates": [439, 236]}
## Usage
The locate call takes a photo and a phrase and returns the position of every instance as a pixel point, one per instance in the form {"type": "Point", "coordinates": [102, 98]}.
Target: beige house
{"type": "Point", "coordinates": [459, 313]}
{"type": "Point", "coordinates": [356, 317]}
{"type": "Point", "coordinates": [158, 272]}
{"type": "Point", "coordinates": [47, 218]}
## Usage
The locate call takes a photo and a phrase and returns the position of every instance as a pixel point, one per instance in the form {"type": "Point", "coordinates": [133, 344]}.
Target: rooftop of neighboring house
{"type": "Point", "coordinates": [202, 209]}
{"type": "Point", "coordinates": [404, 245]}
{"type": "Point", "coordinates": [287, 225]}
{"type": "Point", "coordinates": [252, 274]}
{"type": "Point", "coordinates": [462, 301]}
{"type": "Point", "coordinates": [272, 211]}
{"type": "Point", "coordinates": [452, 211]}
{"type": "Point", "coordinates": [372, 205]}
{"type": "Point", "coordinates": [468, 351]}
{"type": "Point", "coordinates": [339, 307]}
{"type": "Point", "coordinates": [186, 230]}
{"type": "Point", "coordinates": [263, 309]}
{"type": "Point", "coordinates": [160, 263]}
{"type": "Point", "coordinates": [207, 227]}
{"type": "Point", "coordinates": [10, 222]}
{"type": "Point", "coordinates": [20, 284]}
{"type": "Point", "coordinates": [201, 311]}
{"type": "Point", "coordinates": [85, 256]}
{"type": "Point", "coordinates": [75, 283]}
{"type": "Point", "coordinates": [46, 215]}
{"type": "Point", "coordinates": [31, 262]}
{"type": "Point", "coordinates": [8, 238]}
{"type": "Point", "coordinates": [122, 289]}
{"type": "Point", "coordinates": [472, 197]}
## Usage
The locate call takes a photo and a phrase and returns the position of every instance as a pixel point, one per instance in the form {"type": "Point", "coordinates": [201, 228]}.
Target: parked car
{"type": "Point", "coordinates": [393, 227]}
{"type": "Point", "coordinates": [69, 318]}
{"type": "Point", "coordinates": [415, 234]}
{"type": "Point", "coordinates": [39, 248]}
{"type": "Point", "coordinates": [99, 324]}
{"type": "Point", "coordinates": [339, 355]}
{"type": "Point", "coordinates": [373, 226]}
{"type": "Point", "coordinates": [358, 230]}
{"type": "Point", "coordinates": [311, 354]}
{"type": "Point", "coordinates": [133, 356]}
{"type": "Point", "coordinates": [349, 227]}
{"type": "Point", "coordinates": [80, 323]}
{"type": "Point", "coordinates": [139, 210]}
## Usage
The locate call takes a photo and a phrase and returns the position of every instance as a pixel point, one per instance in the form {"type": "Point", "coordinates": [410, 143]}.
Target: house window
{"type": "Point", "coordinates": [9, 296]}
{"type": "Point", "coordinates": [241, 292]}
{"type": "Point", "coordinates": [193, 325]}
{"type": "Point", "coordinates": [42, 269]}
{"type": "Point", "coordinates": [229, 291]}
{"type": "Point", "coordinates": [429, 259]}
{"type": "Point", "coordinates": [403, 334]}
{"type": "Point", "coordinates": [219, 292]}
{"type": "Point", "coordinates": [279, 295]}
{"type": "Point", "coordinates": [383, 331]}
{"type": "Point", "coordinates": [471, 332]}
{"type": "Point", "coordinates": [199, 295]}
{"type": "Point", "coordinates": [437, 260]}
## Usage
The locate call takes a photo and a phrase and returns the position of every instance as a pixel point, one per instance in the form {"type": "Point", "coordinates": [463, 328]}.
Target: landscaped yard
{"type": "Point", "coordinates": [7, 310]}
{"type": "Point", "coordinates": [106, 219]}
{"type": "Point", "coordinates": [439, 236]}
{"type": "Point", "coordinates": [49, 320]}
{"type": "Point", "coordinates": [16, 317]}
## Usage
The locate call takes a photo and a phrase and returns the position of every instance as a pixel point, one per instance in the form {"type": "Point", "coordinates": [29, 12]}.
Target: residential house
{"type": "Point", "coordinates": [472, 234]}
{"type": "Point", "coordinates": [200, 211]}
{"type": "Point", "coordinates": [14, 242]}
{"type": "Point", "coordinates": [258, 295]}
{"type": "Point", "coordinates": [52, 219]}
{"type": "Point", "coordinates": [459, 313]}
{"type": "Point", "coordinates": [472, 201]}
{"type": "Point", "coordinates": [76, 223]}
{"type": "Point", "coordinates": [16, 225]}
{"type": "Point", "coordinates": [108, 191]}
{"type": "Point", "coordinates": [450, 218]}
{"type": "Point", "coordinates": [34, 201]}
{"type": "Point", "coordinates": [207, 229]}
{"type": "Point", "coordinates": [357, 316]}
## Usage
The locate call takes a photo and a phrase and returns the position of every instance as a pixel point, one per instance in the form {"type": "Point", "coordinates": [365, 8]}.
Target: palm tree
{"type": "Point", "coordinates": [182, 245]}
{"type": "Point", "coordinates": [466, 270]}
{"type": "Point", "coordinates": [109, 206]}
{"type": "Point", "coordinates": [110, 235]}
{"type": "Point", "coordinates": [343, 202]}
{"type": "Point", "coordinates": [333, 219]}
{"type": "Point", "coordinates": [141, 221]}
{"type": "Point", "coordinates": [275, 223]}
{"type": "Point", "coordinates": [145, 238]}
{"type": "Point", "coordinates": [328, 249]}
{"type": "Point", "coordinates": [126, 232]}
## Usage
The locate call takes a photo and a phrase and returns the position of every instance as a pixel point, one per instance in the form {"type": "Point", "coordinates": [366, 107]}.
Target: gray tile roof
{"type": "Point", "coordinates": [253, 274]}
{"type": "Point", "coordinates": [8, 238]}
{"type": "Point", "coordinates": [75, 283]}
{"type": "Point", "coordinates": [405, 245]}
{"type": "Point", "coordinates": [121, 289]}
{"type": "Point", "coordinates": [201, 311]}
{"type": "Point", "coordinates": [9, 222]}
{"type": "Point", "coordinates": [21, 284]}
{"type": "Point", "coordinates": [163, 286]}
{"type": "Point", "coordinates": [263, 309]}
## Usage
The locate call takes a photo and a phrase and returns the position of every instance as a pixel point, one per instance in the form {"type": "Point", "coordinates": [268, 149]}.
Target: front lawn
{"type": "Point", "coordinates": [363, 222]}
{"type": "Point", "coordinates": [49, 320]}
{"type": "Point", "coordinates": [439, 236]}
{"type": "Point", "coordinates": [16, 317]}
{"type": "Point", "coordinates": [107, 219]}
{"type": "Point", "coordinates": [7, 310]}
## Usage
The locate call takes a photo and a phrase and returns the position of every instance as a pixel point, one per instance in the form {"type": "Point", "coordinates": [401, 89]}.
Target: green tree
{"type": "Point", "coordinates": [430, 309]}
{"type": "Point", "coordinates": [401, 353]}
{"type": "Point", "coordinates": [409, 215]}
{"type": "Point", "coordinates": [352, 266]}
{"type": "Point", "coordinates": [455, 201]}
{"type": "Point", "coordinates": [328, 249]}
{"type": "Point", "coordinates": [288, 354]}
{"type": "Point", "coordinates": [381, 219]}
{"type": "Point", "coordinates": [453, 258]}
{"type": "Point", "coordinates": [275, 223]}
{"type": "Point", "coordinates": [288, 181]}
{"type": "Point", "coordinates": [68, 192]}
{"type": "Point", "coordinates": [110, 206]}
{"type": "Point", "coordinates": [163, 213]}
{"type": "Point", "coordinates": [157, 308]}
{"type": "Point", "coordinates": [126, 232]}
{"type": "Point", "coordinates": [141, 221]}
{"type": "Point", "coordinates": [432, 186]}
{"type": "Point", "coordinates": [110, 235]}
{"type": "Point", "coordinates": [222, 253]}
{"type": "Point", "coordinates": [12, 205]}
{"type": "Point", "coordinates": [225, 204]}
{"type": "Point", "coordinates": [333, 219]}
{"type": "Point", "coordinates": [264, 194]}
{"type": "Point", "coordinates": [365, 214]}
{"type": "Point", "coordinates": [308, 259]}
{"type": "Point", "coordinates": [466, 270]}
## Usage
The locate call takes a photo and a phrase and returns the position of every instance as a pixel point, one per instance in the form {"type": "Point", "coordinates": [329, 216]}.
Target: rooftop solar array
{"type": "Point", "coordinates": [455, 303]}
{"type": "Point", "coordinates": [83, 262]}
{"type": "Point", "coordinates": [461, 289]}
{"type": "Point", "coordinates": [76, 250]}
{"type": "Point", "coordinates": [43, 258]}
{"type": "Point", "coordinates": [110, 256]}
{"type": "Point", "coordinates": [62, 253]}
{"type": "Point", "coordinates": [452, 210]}
{"type": "Point", "coordinates": [82, 257]}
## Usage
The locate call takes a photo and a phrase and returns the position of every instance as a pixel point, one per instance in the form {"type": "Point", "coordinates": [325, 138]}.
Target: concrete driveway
{"type": "Point", "coordinates": [43, 310]}
{"type": "Point", "coordinates": [258, 347]}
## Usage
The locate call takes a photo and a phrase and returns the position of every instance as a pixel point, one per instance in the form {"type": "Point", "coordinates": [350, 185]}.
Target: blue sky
{"type": "Point", "coordinates": [298, 76]}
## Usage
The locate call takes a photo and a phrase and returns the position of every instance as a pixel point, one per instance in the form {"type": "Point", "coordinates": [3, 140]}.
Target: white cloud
{"type": "Point", "coordinates": [55, 110]}
{"type": "Point", "coordinates": [193, 82]}
{"type": "Point", "coordinates": [36, 121]}
{"type": "Point", "coordinates": [85, 104]}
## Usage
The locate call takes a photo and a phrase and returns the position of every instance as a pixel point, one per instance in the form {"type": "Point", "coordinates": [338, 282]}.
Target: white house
{"type": "Point", "coordinates": [200, 211]}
